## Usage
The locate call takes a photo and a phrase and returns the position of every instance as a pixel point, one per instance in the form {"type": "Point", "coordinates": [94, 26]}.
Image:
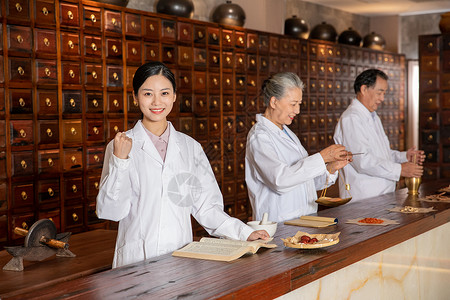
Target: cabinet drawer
{"type": "Point", "coordinates": [71, 102]}
{"type": "Point", "coordinates": [168, 30]}
{"type": "Point", "coordinates": [72, 159]}
{"type": "Point", "coordinates": [46, 72]}
{"type": "Point", "coordinates": [21, 132]}
{"type": "Point", "coordinates": [113, 48]}
{"type": "Point", "coordinates": [23, 221]}
{"type": "Point", "coordinates": [130, 75]}
{"type": "Point", "coordinates": [114, 76]}
{"type": "Point", "coordinates": [169, 54]}
{"type": "Point", "coordinates": [429, 44]}
{"type": "Point", "coordinates": [185, 56]}
{"type": "Point", "coordinates": [20, 101]}
{"type": "Point", "coordinates": [240, 62]}
{"type": "Point", "coordinates": [152, 52]}
{"type": "Point", "coordinates": [428, 83]}
{"type": "Point", "coordinates": [445, 81]}
{"type": "Point", "coordinates": [93, 46]}
{"type": "Point", "coordinates": [229, 190]}
{"type": "Point", "coordinates": [445, 118]}
{"type": "Point", "coordinates": [71, 73]}
{"type": "Point", "coordinates": [48, 132]}
{"type": "Point", "coordinates": [134, 51]}
{"type": "Point", "coordinates": [95, 131]}
{"type": "Point", "coordinates": [69, 15]}
{"type": "Point", "coordinates": [240, 83]}
{"type": "Point", "coordinates": [186, 125]}
{"type": "Point", "coordinates": [446, 100]}
{"type": "Point", "coordinates": [214, 126]}
{"type": "Point", "coordinates": [45, 13]}
{"type": "Point", "coordinates": [199, 81]}
{"type": "Point", "coordinates": [199, 34]}
{"type": "Point", "coordinates": [184, 32]}
{"type": "Point", "coordinates": [70, 44]}
{"type": "Point", "coordinates": [22, 163]}
{"type": "Point", "coordinates": [214, 83]}
{"type": "Point", "coordinates": [19, 39]}
{"type": "Point", "coordinates": [93, 185]}
{"type": "Point", "coordinates": [151, 29]}
{"type": "Point", "coordinates": [185, 101]}
{"type": "Point", "coordinates": [430, 137]}
{"type": "Point", "coordinates": [94, 102]}
{"type": "Point", "coordinates": [228, 103]}
{"type": "Point", "coordinates": [429, 63]}
{"type": "Point", "coordinates": [2, 134]}
{"type": "Point", "coordinates": [431, 155]}
{"type": "Point", "coordinates": [133, 105]}
{"type": "Point", "coordinates": [2, 164]}
{"type": "Point", "coordinates": [18, 9]}
{"type": "Point", "coordinates": [92, 18]}
{"type": "Point", "coordinates": [132, 24]}
{"type": "Point", "coordinates": [93, 75]}
{"type": "Point", "coordinates": [74, 216]}
{"type": "Point", "coordinates": [72, 131]}
{"type": "Point", "coordinates": [48, 191]}
{"type": "Point", "coordinates": [45, 41]}
{"type": "Point", "coordinates": [213, 59]}
{"type": "Point", "coordinates": [240, 39]}
{"type": "Point", "coordinates": [95, 157]}
{"type": "Point", "coordinates": [213, 36]}
{"type": "Point", "coordinates": [200, 105]}
{"type": "Point", "coordinates": [227, 82]}
{"type": "Point", "coordinates": [3, 197]}
{"type": "Point", "coordinates": [20, 70]}
{"type": "Point", "coordinates": [113, 21]}
{"type": "Point", "coordinates": [2, 78]}
{"type": "Point", "coordinates": [115, 103]}
{"type": "Point", "coordinates": [229, 126]}
{"type": "Point", "coordinates": [73, 188]}
{"type": "Point", "coordinates": [200, 57]}
{"type": "Point", "coordinates": [114, 126]}
{"type": "Point", "coordinates": [200, 128]}
{"type": "Point", "coordinates": [214, 103]}
{"type": "Point", "coordinates": [48, 161]}
{"type": "Point", "coordinates": [228, 60]}
{"type": "Point", "coordinates": [263, 64]}
{"type": "Point", "coordinates": [23, 195]}
{"type": "Point", "coordinates": [228, 39]}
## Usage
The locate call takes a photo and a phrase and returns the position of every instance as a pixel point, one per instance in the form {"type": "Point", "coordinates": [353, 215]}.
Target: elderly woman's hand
{"type": "Point", "coordinates": [258, 234]}
{"type": "Point", "coordinates": [333, 153]}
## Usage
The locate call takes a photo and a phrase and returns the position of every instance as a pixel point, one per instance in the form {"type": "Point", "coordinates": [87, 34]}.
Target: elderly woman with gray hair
{"type": "Point", "coordinates": [281, 177]}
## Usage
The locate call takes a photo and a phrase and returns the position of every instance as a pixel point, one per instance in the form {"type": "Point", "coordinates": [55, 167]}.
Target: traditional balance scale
{"type": "Point", "coordinates": [328, 201]}
{"type": "Point", "coordinates": [41, 242]}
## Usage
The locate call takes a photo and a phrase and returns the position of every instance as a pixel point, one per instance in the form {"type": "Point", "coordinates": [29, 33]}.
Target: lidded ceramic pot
{"type": "Point", "coordinates": [323, 31]}
{"type": "Point", "coordinates": [229, 14]}
{"type": "Point", "coordinates": [296, 27]}
{"type": "Point", "coordinates": [444, 24]}
{"type": "Point", "coordinates": [374, 41]}
{"type": "Point", "coordinates": [122, 3]}
{"type": "Point", "coordinates": [180, 8]}
{"type": "Point", "coordinates": [350, 37]}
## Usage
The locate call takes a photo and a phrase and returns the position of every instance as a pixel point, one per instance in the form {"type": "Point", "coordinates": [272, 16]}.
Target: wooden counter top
{"type": "Point", "coordinates": [270, 272]}
{"type": "Point", "coordinates": [94, 252]}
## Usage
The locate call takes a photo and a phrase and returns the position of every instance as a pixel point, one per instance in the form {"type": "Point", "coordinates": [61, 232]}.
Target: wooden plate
{"type": "Point", "coordinates": [324, 240]}
{"type": "Point", "coordinates": [332, 202]}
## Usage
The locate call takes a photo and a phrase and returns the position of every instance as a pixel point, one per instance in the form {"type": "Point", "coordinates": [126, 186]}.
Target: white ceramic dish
{"type": "Point", "coordinates": [271, 228]}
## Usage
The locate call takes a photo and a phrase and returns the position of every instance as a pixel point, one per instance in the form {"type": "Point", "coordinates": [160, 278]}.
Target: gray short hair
{"type": "Point", "coordinates": [276, 85]}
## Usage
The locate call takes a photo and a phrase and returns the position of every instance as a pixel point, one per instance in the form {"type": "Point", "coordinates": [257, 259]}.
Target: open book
{"type": "Point", "coordinates": [221, 249]}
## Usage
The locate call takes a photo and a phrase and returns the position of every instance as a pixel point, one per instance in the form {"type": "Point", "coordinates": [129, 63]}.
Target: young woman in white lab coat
{"type": "Point", "coordinates": [152, 186]}
{"type": "Point", "coordinates": [281, 178]}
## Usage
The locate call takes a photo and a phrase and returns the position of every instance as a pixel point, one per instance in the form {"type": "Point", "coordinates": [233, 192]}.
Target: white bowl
{"type": "Point", "coordinates": [271, 227]}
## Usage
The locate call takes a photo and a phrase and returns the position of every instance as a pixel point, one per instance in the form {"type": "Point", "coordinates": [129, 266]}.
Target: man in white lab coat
{"type": "Point", "coordinates": [376, 168]}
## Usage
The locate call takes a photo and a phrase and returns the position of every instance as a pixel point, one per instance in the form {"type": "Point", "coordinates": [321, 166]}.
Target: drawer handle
{"type": "Point", "coordinates": [169, 54]}
{"type": "Point", "coordinates": [242, 166]}
{"type": "Point", "coordinates": [253, 62]}
{"type": "Point", "coordinates": [169, 30]}
{"type": "Point", "coordinates": [228, 38]}
{"type": "Point", "coordinates": [96, 158]}
{"type": "Point", "coordinates": [114, 21]}
{"type": "Point", "coordinates": [228, 59]}
{"type": "Point", "coordinates": [241, 40]}
{"type": "Point", "coordinates": [115, 76]}
{"type": "Point", "coordinates": [285, 46]}
{"type": "Point", "coordinates": [230, 190]}
{"type": "Point", "coordinates": [50, 162]}
{"type": "Point", "coordinates": [215, 59]}
{"type": "Point", "coordinates": [214, 36]}
{"type": "Point", "coordinates": [116, 103]}
{"type": "Point", "coordinates": [201, 126]}
{"type": "Point", "coordinates": [229, 147]}
{"type": "Point", "coordinates": [215, 81]}
{"type": "Point", "coordinates": [200, 80]}
{"type": "Point", "coordinates": [46, 42]}
{"type": "Point", "coordinates": [430, 155]}
{"type": "Point", "coordinates": [240, 60]}
{"type": "Point", "coordinates": [185, 32]}
{"type": "Point", "coordinates": [73, 131]}
{"type": "Point", "coordinates": [228, 81]}
{"type": "Point", "coordinates": [200, 34]}
{"type": "Point", "coordinates": [18, 7]}
{"type": "Point", "coordinates": [71, 74]}
{"type": "Point", "coordinates": [75, 217]}
{"type": "Point", "coordinates": [430, 118]}
{"type": "Point", "coordinates": [116, 129]}
{"type": "Point", "coordinates": [230, 125]}
{"type": "Point", "coordinates": [47, 72]}
{"type": "Point", "coordinates": [134, 51]}
{"type": "Point", "coordinates": [241, 82]}
{"type": "Point", "coordinates": [72, 102]}
{"type": "Point", "coordinates": [430, 138]}
{"type": "Point", "coordinates": [215, 103]}
{"type": "Point", "coordinates": [135, 103]}
{"type": "Point", "coordinates": [228, 103]}
{"type": "Point", "coordinates": [44, 11]}
{"type": "Point", "coordinates": [95, 103]}
{"type": "Point", "coordinates": [49, 132]}
{"type": "Point", "coordinates": [23, 133]}
{"type": "Point", "coordinates": [95, 129]}
{"type": "Point", "coordinates": [152, 28]}
{"type": "Point", "coordinates": [230, 211]}
{"type": "Point", "coordinates": [21, 71]}
{"type": "Point", "coordinates": [94, 75]}
{"type": "Point", "coordinates": [430, 62]}
{"type": "Point", "coordinates": [152, 53]}
{"type": "Point", "coordinates": [216, 169]}
{"type": "Point", "coordinates": [70, 44]}
{"type": "Point", "coordinates": [133, 24]}
{"type": "Point", "coordinates": [201, 103]}
{"type": "Point", "coordinates": [252, 41]}
{"type": "Point", "coordinates": [24, 225]}
{"type": "Point", "coordinates": [429, 172]}
{"type": "Point", "coordinates": [48, 102]}
{"type": "Point", "coordinates": [187, 103]}
{"type": "Point", "coordinates": [216, 147]}
{"type": "Point", "coordinates": [185, 79]}
{"type": "Point", "coordinates": [430, 82]}
{"type": "Point", "coordinates": [23, 164]}
{"type": "Point", "coordinates": [313, 138]}
{"type": "Point", "coordinates": [94, 47]}
{"type": "Point", "coordinates": [264, 63]}
{"type": "Point", "coordinates": [21, 102]}
{"type": "Point", "coordinates": [70, 15]}
{"type": "Point", "coordinates": [241, 124]}
{"type": "Point", "coordinates": [241, 103]}
{"type": "Point", "coordinates": [186, 56]}
{"type": "Point", "coordinates": [252, 103]}
{"type": "Point", "coordinates": [96, 185]}
{"type": "Point", "coordinates": [24, 195]}
{"type": "Point", "coordinates": [216, 126]}
{"type": "Point", "coordinates": [74, 188]}
{"type": "Point", "coordinates": [114, 49]}
{"type": "Point", "coordinates": [51, 193]}
{"type": "Point", "coordinates": [93, 18]}
{"type": "Point", "coordinates": [187, 127]}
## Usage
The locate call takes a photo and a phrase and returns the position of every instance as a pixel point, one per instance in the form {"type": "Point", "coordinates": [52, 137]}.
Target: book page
{"type": "Point", "coordinates": [213, 251]}
{"type": "Point", "coordinates": [254, 244]}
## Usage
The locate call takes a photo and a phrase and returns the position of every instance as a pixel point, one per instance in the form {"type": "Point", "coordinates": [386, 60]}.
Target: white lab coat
{"type": "Point", "coordinates": [281, 178]}
{"type": "Point", "coordinates": [153, 200]}
{"type": "Point", "coordinates": [376, 171]}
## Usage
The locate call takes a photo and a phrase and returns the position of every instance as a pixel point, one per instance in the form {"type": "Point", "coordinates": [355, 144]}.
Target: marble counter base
{"type": "Point", "coordinates": [418, 268]}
